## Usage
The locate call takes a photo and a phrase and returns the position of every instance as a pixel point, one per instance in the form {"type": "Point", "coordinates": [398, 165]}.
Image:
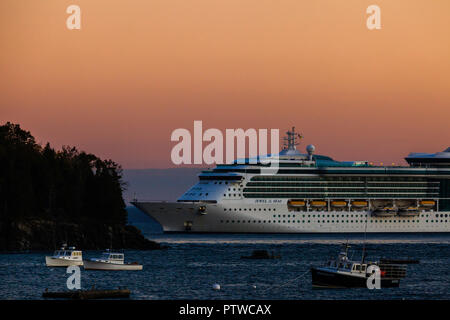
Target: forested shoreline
{"type": "Point", "coordinates": [47, 194]}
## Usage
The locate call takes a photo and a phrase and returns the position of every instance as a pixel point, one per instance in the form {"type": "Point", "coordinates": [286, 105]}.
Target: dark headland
{"type": "Point", "coordinates": [49, 197]}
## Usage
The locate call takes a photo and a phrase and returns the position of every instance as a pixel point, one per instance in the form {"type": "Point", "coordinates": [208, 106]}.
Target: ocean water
{"type": "Point", "coordinates": [193, 263]}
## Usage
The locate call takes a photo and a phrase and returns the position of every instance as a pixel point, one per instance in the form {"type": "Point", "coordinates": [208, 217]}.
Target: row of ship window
{"type": "Point", "coordinates": [219, 182]}
{"type": "Point", "coordinates": [339, 189]}
{"type": "Point", "coordinates": [344, 214]}
{"type": "Point", "coordinates": [354, 184]}
{"type": "Point", "coordinates": [337, 179]}
{"type": "Point", "coordinates": [249, 209]}
{"type": "Point", "coordinates": [328, 221]}
{"type": "Point", "coordinates": [193, 194]}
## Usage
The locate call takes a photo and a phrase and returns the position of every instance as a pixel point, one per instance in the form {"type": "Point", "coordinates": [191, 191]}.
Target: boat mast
{"type": "Point", "coordinates": [364, 244]}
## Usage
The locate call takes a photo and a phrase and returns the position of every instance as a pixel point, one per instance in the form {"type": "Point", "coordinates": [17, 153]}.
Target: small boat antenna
{"type": "Point", "coordinates": [346, 246]}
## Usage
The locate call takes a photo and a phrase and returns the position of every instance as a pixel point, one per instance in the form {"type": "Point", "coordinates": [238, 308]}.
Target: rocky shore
{"type": "Point", "coordinates": [37, 234]}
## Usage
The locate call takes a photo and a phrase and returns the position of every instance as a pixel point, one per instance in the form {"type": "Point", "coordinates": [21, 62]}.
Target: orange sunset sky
{"type": "Point", "coordinates": [138, 69]}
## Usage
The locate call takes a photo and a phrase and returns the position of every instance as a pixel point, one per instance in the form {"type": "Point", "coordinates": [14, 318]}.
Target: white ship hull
{"type": "Point", "coordinates": [108, 266]}
{"type": "Point", "coordinates": [61, 262]}
{"type": "Point", "coordinates": [273, 216]}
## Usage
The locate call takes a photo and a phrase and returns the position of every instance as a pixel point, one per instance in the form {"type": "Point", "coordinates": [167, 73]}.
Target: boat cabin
{"type": "Point", "coordinates": [111, 257]}
{"type": "Point", "coordinates": [347, 266]}
{"type": "Point", "coordinates": [68, 253]}
{"type": "Point", "coordinates": [343, 263]}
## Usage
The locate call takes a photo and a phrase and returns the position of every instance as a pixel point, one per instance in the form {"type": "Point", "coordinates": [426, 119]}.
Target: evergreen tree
{"type": "Point", "coordinates": [65, 185]}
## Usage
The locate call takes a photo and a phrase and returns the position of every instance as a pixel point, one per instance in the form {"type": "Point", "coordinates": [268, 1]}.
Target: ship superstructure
{"type": "Point", "coordinates": [312, 193]}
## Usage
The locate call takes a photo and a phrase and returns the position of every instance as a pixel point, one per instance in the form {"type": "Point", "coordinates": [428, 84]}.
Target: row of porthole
{"type": "Point", "coordinates": [226, 182]}
{"type": "Point", "coordinates": [312, 215]}
{"type": "Point", "coordinates": [193, 194]}
{"type": "Point", "coordinates": [309, 215]}
{"type": "Point", "coordinates": [323, 221]}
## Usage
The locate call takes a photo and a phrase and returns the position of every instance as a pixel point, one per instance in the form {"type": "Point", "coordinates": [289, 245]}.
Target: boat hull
{"type": "Point", "coordinates": [58, 262]}
{"type": "Point", "coordinates": [252, 217]}
{"type": "Point", "coordinates": [107, 266]}
{"type": "Point", "coordinates": [325, 279]}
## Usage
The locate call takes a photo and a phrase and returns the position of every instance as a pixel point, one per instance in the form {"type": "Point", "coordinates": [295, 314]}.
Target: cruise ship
{"type": "Point", "coordinates": [311, 193]}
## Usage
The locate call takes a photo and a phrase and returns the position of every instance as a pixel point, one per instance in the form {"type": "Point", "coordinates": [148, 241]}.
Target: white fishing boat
{"type": "Point", "coordinates": [110, 261]}
{"type": "Point", "coordinates": [66, 256]}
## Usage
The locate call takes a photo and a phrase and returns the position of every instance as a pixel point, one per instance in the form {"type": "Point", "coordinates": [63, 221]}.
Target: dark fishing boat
{"type": "Point", "coordinates": [345, 273]}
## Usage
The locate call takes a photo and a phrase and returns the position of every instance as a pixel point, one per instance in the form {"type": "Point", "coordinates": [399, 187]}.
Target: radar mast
{"type": "Point", "coordinates": [290, 141]}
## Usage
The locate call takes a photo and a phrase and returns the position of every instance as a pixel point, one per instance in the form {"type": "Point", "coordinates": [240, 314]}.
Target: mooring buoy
{"type": "Point", "coordinates": [216, 286]}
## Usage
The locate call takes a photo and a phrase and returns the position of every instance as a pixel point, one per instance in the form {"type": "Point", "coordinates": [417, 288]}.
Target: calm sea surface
{"type": "Point", "coordinates": [193, 263]}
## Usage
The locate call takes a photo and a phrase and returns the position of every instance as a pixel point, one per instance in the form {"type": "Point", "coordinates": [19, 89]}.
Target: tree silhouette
{"type": "Point", "coordinates": [65, 185]}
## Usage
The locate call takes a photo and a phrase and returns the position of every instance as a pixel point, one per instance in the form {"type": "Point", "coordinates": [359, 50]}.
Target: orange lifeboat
{"type": "Point", "coordinates": [427, 203]}
{"type": "Point", "coordinates": [359, 204]}
{"type": "Point", "coordinates": [296, 203]}
{"type": "Point", "coordinates": [339, 204]}
{"type": "Point", "coordinates": [318, 203]}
